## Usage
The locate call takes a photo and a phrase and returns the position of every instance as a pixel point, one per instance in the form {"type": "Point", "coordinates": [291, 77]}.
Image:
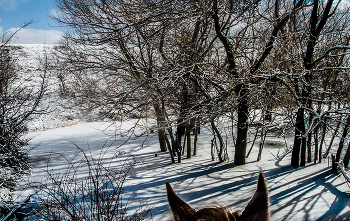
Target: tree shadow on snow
{"type": "Point", "coordinates": [295, 199]}
{"type": "Point", "coordinates": [306, 195]}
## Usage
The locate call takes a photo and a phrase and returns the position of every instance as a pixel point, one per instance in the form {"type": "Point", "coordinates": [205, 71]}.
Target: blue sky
{"type": "Point", "coordinates": [13, 13]}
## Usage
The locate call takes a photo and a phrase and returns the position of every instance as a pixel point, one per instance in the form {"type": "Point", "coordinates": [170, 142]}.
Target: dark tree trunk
{"type": "Point", "coordinates": [162, 140]}
{"type": "Point", "coordinates": [298, 138]}
{"type": "Point", "coordinates": [316, 144]}
{"type": "Point", "coordinates": [188, 138]}
{"type": "Point", "coordinates": [171, 152]}
{"type": "Point", "coordinates": [305, 145]}
{"type": "Point", "coordinates": [179, 156]}
{"type": "Point", "coordinates": [212, 149]}
{"type": "Point", "coordinates": [221, 142]}
{"type": "Point", "coordinates": [262, 142]}
{"type": "Point", "coordinates": [184, 144]}
{"type": "Point", "coordinates": [316, 133]}
{"type": "Point", "coordinates": [176, 146]}
{"type": "Point", "coordinates": [179, 133]}
{"type": "Point", "coordinates": [303, 150]}
{"type": "Point", "coordinates": [195, 141]}
{"type": "Point", "coordinates": [242, 125]}
{"type": "Point", "coordinates": [347, 157]}
{"type": "Point", "coordinates": [323, 135]}
{"type": "Point", "coordinates": [334, 165]}
{"type": "Point", "coordinates": [342, 139]}
{"type": "Point", "coordinates": [232, 126]}
{"type": "Point", "coordinates": [160, 124]}
{"type": "Point", "coordinates": [309, 140]}
{"type": "Point", "coordinates": [251, 147]}
{"type": "Point", "coordinates": [333, 136]}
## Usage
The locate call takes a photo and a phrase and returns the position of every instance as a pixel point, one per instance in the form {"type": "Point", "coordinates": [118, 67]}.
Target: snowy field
{"type": "Point", "coordinates": [306, 193]}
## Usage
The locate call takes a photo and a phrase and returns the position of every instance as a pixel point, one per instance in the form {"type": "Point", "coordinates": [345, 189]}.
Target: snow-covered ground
{"type": "Point", "coordinates": [306, 193]}
{"type": "Point", "coordinates": [35, 60]}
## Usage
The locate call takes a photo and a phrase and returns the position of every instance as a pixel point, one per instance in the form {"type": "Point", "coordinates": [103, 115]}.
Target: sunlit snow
{"type": "Point", "coordinates": [306, 193]}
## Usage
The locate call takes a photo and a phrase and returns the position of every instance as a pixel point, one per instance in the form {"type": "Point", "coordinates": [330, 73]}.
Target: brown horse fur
{"type": "Point", "coordinates": [256, 210]}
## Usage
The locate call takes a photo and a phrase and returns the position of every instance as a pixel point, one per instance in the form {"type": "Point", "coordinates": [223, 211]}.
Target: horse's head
{"type": "Point", "coordinates": [256, 210]}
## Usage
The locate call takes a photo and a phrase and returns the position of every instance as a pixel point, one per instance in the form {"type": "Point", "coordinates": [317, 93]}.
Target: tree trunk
{"type": "Point", "coordinates": [262, 142]}
{"type": "Point", "coordinates": [334, 165]}
{"type": "Point", "coordinates": [221, 141]}
{"type": "Point", "coordinates": [176, 147]}
{"type": "Point", "coordinates": [160, 124]}
{"type": "Point", "coordinates": [303, 150]}
{"type": "Point", "coordinates": [297, 138]}
{"type": "Point", "coordinates": [162, 140]}
{"type": "Point", "coordinates": [179, 157]}
{"type": "Point", "coordinates": [195, 141]}
{"type": "Point", "coordinates": [242, 125]}
{"type": "Point", "coordinates": [316, 144]}
{"type": "Point", "coordinates": [170, 150]}
{"type": "Point", "coordinates": [333, 136]}
{"type": "Point", "coordinates": [309, 140]}
{"type": "Point", "coordinates": [251, 147]}
{"type": "Point", "coordinates": [342, 139]}
{"type": "Point", "coordinates": [347, 157]}
{"type": "Point", "coordinates": [212, 149]}
{"type": "Point", "coordinates": [188, 137]}
{"type": "Point", "coordinates": [179, 133]}
{"type": "Point", "coordinates": [184, 143]}
{"type": "Point", "coordinates": [232, 126]}
{"type": "Point", "coordinates": [316, 133]}
{"type": "Point", "coordinates": [323, 135]}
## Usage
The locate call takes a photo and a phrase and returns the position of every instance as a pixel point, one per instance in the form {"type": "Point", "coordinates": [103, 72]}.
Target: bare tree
{"type": "Point", "coordinates": [310, 61]}
{"type": "Point", "coordinates": [194, 61]}
{"type": "Point", "coordinates": [18, 101]}
{"type": "Point", "coordinates": [238, 27]}
{"type": "Point", "coordinates": [142, 56]}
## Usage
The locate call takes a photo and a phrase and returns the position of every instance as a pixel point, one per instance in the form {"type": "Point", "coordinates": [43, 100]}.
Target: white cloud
{"type": "Point", "coordinates": [8, 5]}
{"type": "Point", "coordinates": [35, 36]}
{"type": "Point", "coordinates": [54, 13]}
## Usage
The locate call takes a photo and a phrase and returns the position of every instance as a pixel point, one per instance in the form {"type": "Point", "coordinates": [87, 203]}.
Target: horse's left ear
{"type": "Point", "coordinates": [258, 207]}
{"type": "Point", "coordinates": [180, 209]}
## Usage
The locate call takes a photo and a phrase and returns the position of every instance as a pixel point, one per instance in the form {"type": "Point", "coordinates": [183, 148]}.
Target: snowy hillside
{"type": "Point", "coordinates": [307, 193]}
{"type": "Point", "coordinates": [34, 60]}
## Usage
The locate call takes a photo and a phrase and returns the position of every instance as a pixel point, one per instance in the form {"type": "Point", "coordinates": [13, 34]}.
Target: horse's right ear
{"type": "Point", "coordinates": [180, 209]}
{"type": "Point", "coordinates": [258, 207]}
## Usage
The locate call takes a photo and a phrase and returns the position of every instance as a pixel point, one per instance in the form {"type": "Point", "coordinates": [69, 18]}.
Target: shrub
{"type": "Point", "coordinates": [19, 100]}
{"type": "Point", "coordinates": [89, 189]}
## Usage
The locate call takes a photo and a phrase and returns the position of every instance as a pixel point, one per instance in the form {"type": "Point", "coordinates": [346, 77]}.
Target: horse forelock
{"type": "Point", "coordinates": [215, 214]}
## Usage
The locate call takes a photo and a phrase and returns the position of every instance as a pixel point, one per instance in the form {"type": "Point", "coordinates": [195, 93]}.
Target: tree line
{"type": "Point", "coordinates": [190, 63]}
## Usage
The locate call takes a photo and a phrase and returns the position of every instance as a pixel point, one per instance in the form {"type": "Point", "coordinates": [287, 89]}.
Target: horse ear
{"type": "Point", "coordinates": [258, 207]}
{"type": "Point", "coordinates": [180, 209]}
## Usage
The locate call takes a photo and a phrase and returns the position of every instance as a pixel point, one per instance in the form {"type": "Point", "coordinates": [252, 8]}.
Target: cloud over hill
{"type": "Point", "coordinates": [35, 36]}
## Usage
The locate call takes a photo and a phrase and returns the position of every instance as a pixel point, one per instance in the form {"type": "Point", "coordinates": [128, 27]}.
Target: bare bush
{"type": "Point", "coordinates": [19, 100]}
{"type": "Point", "coordinates": [89, 189]}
